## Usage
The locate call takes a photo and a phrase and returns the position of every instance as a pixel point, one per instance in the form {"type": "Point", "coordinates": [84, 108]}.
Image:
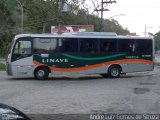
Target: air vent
{"type": "Point", "coordinates": [95, 33]}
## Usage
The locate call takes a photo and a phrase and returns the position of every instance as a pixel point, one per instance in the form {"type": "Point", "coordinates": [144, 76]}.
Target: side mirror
{"type": "Point", "coordinates": [11, 113]}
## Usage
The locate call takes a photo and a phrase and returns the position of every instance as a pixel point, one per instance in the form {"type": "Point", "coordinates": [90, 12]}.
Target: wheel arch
{"type": "Point", "coordinates": [115, 65]}
{"type": "Point", "coordinates": [42, 66]}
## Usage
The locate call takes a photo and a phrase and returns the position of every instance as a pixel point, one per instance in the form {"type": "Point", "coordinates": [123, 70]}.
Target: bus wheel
{"type": "Point", "coordinates": [41, 73]}
{"type": "Point", "coordinates": [114, 71]}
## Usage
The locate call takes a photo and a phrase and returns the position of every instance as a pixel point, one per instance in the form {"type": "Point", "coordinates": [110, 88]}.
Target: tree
{"type": "Point", "coordinates": [40, 14]}
{"type": "Point", "coordinates": [157, 40]}
{"type": "Point", "coordinates": [90, 14]}
{"type": "Point", "coordinates": [6, 29]}
{"type": "Point", "coordinates": [114, 26]}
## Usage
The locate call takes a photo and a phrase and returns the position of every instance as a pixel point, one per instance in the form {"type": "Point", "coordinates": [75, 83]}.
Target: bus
{"type": "Point", "coordinates": [104, 53]}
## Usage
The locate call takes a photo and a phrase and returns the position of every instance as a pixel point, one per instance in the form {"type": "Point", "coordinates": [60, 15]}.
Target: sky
{"type": "Point", "coordinates": [138, 13]}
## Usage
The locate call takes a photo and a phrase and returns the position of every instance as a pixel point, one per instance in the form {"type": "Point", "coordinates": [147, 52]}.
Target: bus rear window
{"type": "Point", "coordinates": [135, 45]}
{"type": "Point", "coordinates": [144, 46]}
{"type": "Point", "coordinates": [127, 45]}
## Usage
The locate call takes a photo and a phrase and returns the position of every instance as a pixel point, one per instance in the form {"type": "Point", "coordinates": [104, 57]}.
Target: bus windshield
{"type": "Point", "coordinates": [21, 49]}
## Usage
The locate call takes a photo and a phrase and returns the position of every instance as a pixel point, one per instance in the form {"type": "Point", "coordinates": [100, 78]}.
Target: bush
{"type": "Point", "coordinates": [2, 67]}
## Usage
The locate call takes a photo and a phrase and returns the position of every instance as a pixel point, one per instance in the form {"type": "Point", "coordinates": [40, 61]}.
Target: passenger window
{"type": "Point", "coordinates": [68, 45]}
{"type": "Point", "coordinates": [127, 45]}
{"type": "Point", "coordinates": [144, 46]}
{"type": "Point", "coordinates": [88, 45]}
{"type": "Point", "coordinates": [44, 45]}
{"type": "Point", "coordinates": [108, 45]}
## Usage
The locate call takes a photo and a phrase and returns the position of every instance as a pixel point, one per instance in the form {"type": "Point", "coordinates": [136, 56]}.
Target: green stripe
{"type": "Point", "coordinates": [99, 58]}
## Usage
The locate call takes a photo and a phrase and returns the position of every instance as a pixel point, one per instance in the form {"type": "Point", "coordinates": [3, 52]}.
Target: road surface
{"type": "Point", "coordinates": [81, 94]}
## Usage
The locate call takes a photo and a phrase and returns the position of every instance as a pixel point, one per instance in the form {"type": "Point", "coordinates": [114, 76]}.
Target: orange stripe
{"type": "Point", "coordinates": [94, 66]}
{"type": "Point", "coordinates": [37, 63]}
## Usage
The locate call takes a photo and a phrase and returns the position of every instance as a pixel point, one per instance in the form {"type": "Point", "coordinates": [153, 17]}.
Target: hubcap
{"type": "Point", "coordinates": [41, 73]}
{"type": "Point", "coordinates": [115, 72]}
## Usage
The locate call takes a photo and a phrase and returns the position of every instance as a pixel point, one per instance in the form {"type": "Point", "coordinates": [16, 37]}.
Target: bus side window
{"type": "Point", "coordinates": [68, 45]}
{"type": "Point", "coordinates": [53, 46]}
{"type": "Point", "coordinates": [144, 46]}
{"type": "Point", "coordinates": [127, 45]}
{"type": "Point", "coordinates": [132, 46]}
{"type": "Point", "coordinates": [107, 45]}
{"type": "Point", "coordinates": [41, 45]}
{"type": "Point", "coordinates": [44, 45]}
{"type": "Point", "coordinates": [88, 45]}
{"type": "Point", "coordinates": [123, 47]}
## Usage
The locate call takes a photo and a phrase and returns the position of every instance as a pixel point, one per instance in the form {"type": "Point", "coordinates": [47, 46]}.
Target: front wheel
{"type": "Point", "coordinates": [41, 73]}
{"type": "Point", "coordinates": [114, 71]}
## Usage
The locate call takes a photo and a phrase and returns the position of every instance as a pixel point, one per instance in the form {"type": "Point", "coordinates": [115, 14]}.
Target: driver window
{"type": "Point", "coordinates": [23, 47]}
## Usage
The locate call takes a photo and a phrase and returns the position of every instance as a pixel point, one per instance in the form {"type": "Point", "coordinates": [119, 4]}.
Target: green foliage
{"type": "Point", "coordinates": [157, 40]}
{"type": "Point", "coordinates": [5, 17]}
{"type": "Point", "coordinates": [2, 67]}
{"type": "Point", "coordinates": [11, 4]}
{"type": "Point", "coordinates": [114, 26]}
{"type": "Point", "coordinates": [40, 15]}
{"type": "Point", "coordinates": [6, 29]}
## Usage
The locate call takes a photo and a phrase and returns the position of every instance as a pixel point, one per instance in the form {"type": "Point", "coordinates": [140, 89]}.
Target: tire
{"type": "Point", "coordinates": [41, 73]}
{"type": "Point", "coordinates": [114, 71]}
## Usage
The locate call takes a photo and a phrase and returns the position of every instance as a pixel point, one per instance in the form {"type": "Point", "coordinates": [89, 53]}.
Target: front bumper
{"type": "Point", "coordinates": [9, 69]}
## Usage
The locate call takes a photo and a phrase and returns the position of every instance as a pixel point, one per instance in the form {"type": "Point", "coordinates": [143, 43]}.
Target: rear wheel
{"type": "Point", "coordinates": [114, 71]}
{"type": "Point", "coordinates": [41, 73]}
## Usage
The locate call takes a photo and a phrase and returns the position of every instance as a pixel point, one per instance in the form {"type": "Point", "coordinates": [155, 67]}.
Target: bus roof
{"type": "Point", "coordinates": [83, 35]}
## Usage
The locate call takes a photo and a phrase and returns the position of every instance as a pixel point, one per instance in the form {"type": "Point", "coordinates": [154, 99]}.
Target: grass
{"type": "Point", "coordinates": [2, 67]}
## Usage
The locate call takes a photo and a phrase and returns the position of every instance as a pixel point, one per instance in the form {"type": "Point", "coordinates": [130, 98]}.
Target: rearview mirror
{"type": "Point", "coordinates": [11, 113]}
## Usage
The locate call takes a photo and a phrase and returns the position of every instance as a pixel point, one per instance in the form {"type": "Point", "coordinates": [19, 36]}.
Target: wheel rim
{"type": "Point", "coordinates": [41, 73]}
{"type": "Point", "coordinates": [115, 72]}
